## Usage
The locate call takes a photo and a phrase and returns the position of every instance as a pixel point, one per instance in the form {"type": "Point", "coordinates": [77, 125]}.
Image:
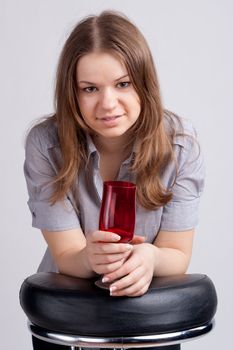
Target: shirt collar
{"type": "Point", "coordinates": [91, 149]}
{"type": "Point", "coordinates": [90, 146]}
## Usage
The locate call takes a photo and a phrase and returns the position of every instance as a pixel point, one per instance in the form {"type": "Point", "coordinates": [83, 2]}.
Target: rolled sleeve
{"type": "Point", "coordinates": [57, 217]}
{"type": "Point", "coordinates": [39, 171]}
{"type": "Point", "coordinates": [181, 213]}
{"type": "Point", "coordinates": [180, 216]}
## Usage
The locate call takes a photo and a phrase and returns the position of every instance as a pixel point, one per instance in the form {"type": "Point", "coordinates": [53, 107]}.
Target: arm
{"type": "Point", "coordinates": [168, 255]}
{"type": "Point", "coordinates": [78, 256]}
{"type": "Point", "coordinates": [67, 248]}
{"type": "Point", "coordinates": [174, 250]}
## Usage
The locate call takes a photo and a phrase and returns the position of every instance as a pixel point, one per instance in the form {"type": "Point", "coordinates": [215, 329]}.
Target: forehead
{"type": "Point", "coordinates": [100, 66]}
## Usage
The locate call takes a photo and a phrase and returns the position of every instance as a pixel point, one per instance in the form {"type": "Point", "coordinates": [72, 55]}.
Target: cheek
{"type": "Point", "coordinates": [137, 107]}
{"type": "Point", "coordinates": [85, 106]}
{"type": "Point", "coordinates": [135, 103]}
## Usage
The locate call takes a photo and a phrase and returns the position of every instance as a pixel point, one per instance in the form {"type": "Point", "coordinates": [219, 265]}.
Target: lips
{"type": "Point", "coordinates": [110, 118]}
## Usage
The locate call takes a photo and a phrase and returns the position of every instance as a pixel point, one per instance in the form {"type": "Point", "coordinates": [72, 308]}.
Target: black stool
{"type": "Point", "coordinates": [74, 312]}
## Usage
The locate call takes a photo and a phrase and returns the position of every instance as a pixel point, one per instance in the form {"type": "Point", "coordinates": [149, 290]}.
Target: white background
{"type": "Point", "coordinates": [191, 41]}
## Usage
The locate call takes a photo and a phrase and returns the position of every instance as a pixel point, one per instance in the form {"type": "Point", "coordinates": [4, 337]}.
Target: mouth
{"type": "Point", "coordinates": [110, 121]}
{"type": "Point", "coordinates": [110, 118]}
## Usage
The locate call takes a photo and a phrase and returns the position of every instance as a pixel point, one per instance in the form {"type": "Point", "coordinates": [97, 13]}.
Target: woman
{"type": "Point", "coordinates": [109, 123]}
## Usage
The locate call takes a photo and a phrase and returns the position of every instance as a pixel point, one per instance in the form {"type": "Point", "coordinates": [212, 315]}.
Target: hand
{"type": "Point", "coordinates": [104, 253]}
{"type": "Point", "coordinates": [137, 239]}
{"type": "Point", "coordinates": [135, 274]}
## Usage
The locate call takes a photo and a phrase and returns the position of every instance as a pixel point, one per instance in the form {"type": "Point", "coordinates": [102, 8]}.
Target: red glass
{"type": "Point", "coordinates": [118, 209]}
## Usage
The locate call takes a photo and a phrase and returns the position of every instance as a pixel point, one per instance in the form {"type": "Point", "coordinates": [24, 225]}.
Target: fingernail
{"type": "Point", "coordinates": [129, 246]}
{"type": "Point", "coordinates": [112, 289]}
{"type": "Point", "coordinates": [116, 238]}
{"type": "Point", "coordinates": [105, 279]}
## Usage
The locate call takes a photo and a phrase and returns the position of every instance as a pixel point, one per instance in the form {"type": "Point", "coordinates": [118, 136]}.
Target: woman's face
{"type": "Point", "coordinates": [107, 99]}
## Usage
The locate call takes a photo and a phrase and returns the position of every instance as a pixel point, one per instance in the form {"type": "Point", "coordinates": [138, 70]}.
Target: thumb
{"type": "Point", "coordinates": [137, 239]}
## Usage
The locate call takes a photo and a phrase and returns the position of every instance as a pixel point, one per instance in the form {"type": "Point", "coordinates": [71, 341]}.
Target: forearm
{"type": "Point", "coordinates": [69, 251]}
{"type": "Point", "coordinates": [75, 263]}
{"type": "Point", "coordinates": [169, 261]}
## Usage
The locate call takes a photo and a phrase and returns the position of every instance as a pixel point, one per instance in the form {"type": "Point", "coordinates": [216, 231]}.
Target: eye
{"type": "Point", "coordinates": [89, 89]}
{"type": "Point", "coordinates": [124, 84]}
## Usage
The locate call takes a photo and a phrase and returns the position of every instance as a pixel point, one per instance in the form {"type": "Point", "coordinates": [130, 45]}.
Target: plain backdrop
{"type": "Point", "coordinates": [191, 41]}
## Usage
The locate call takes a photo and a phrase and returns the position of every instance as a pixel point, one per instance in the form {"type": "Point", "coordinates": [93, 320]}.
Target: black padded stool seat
{"type": "Point", "coordinates": [76, 306]}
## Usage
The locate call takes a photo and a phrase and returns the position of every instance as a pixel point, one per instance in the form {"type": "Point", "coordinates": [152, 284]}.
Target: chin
{"type": "Point", "coordinates": [113, 134]}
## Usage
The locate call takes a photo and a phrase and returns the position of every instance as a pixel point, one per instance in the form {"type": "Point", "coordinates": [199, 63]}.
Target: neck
{"type": "Point", "coordinates": [112, 145]}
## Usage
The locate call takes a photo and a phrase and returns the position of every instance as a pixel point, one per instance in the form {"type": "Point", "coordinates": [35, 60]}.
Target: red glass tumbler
{"type": "Point", "coordinates": [117, 213]}
{"type": "Point", "coordinates": [118, 208]}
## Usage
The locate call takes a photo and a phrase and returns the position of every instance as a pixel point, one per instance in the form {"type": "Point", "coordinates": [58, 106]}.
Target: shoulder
{"type": "Point", "coordinates": [43, 135]}
{"type": "Point", "coordinates": [181, 130]}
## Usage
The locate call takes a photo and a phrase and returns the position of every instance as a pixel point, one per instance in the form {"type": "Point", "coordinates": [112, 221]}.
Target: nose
{"type": "Point", "coordinates": [108, 99]}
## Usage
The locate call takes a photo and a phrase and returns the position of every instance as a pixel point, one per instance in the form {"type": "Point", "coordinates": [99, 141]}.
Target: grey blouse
{"type": "Point", "coordinates": [41, 164]}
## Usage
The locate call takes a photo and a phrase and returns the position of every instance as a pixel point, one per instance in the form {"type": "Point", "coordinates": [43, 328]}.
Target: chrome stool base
{"type": "Point", "coordinates": [154, 340]}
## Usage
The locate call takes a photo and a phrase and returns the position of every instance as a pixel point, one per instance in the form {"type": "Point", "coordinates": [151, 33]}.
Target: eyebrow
{"type": "Point", "coordinates": [89, 82]}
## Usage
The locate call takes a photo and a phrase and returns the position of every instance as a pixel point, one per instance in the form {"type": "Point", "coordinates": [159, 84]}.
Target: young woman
{"type": "Point", "coordinates": [110, 124]}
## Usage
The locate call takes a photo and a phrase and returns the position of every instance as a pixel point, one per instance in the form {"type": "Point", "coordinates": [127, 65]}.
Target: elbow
{"type": "Point", "coordinates": [184, 264]}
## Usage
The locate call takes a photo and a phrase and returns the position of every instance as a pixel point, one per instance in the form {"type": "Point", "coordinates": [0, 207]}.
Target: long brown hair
{"type": "Point", "coordinates": [113, 32]}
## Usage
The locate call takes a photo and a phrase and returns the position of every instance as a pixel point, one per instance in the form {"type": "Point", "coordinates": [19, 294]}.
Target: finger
{"type": "Point", "coordinates": [131, 293]}
{"type": "Point", "coordinates": [136, 276]}
{"type": "Point", "coordinates": [112, 248]}
{"type": "Point", "coordinates": [132, 289]}
{"type": "Point", "coordinates": [103, 236]}
{"type": "Point", "coordinates": [138, 239]}
{"type": "Point", "coordinates": [130, 265]}
{"type": "Point", "coordinates": [110, 258]}
{"type": "Point", "coordinates": [103, 269]}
